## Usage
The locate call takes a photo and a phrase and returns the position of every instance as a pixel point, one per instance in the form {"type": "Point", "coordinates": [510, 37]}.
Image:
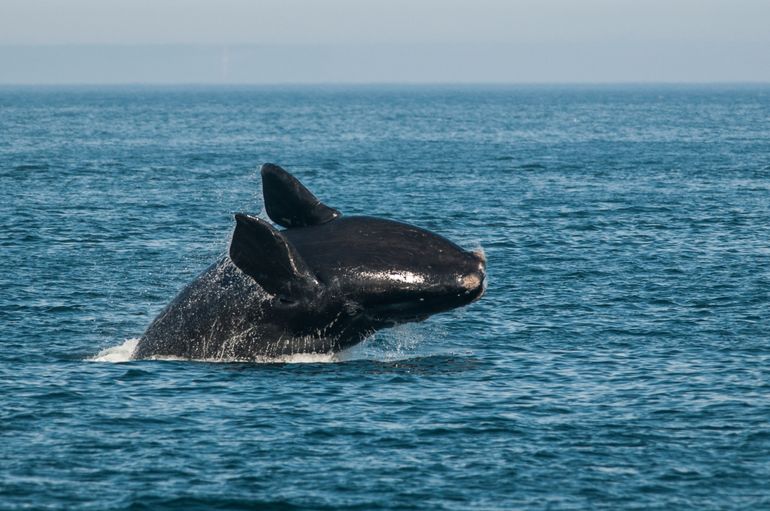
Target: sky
{"type": "Point", "coordinates": [378, 41]}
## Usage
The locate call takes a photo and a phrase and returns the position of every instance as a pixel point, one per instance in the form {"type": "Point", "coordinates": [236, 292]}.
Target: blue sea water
{"type": "Point", "coordinates": [620, 358]}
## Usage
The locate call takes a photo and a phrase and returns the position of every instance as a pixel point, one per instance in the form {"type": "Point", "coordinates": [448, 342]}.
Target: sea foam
{"type": "Point", "coordinates": [123, 353]}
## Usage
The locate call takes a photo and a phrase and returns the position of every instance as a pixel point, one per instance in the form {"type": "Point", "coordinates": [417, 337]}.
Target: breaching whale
{"type": "Point", "coordinates": [321, 285]}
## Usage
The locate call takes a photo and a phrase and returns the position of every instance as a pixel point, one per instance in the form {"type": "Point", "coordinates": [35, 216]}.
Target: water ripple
{"type": "Point", "coordinates": [618, 360]}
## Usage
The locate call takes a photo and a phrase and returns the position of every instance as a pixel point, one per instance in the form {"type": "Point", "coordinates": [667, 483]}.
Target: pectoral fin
{"type": "Point", "coordinates": [263, 253]}
{"type": "Point", "coordinates": [288, 203]}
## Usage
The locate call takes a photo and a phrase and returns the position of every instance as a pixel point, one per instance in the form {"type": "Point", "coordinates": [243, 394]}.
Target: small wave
{"type": "Point", "coordinates": [531, 166]}
{"type": "Point", "coordinates": [25, 167]}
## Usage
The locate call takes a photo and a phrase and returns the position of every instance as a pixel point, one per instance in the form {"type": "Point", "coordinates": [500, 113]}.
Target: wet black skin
{"type": "Point", "coordinates": [322, 285]}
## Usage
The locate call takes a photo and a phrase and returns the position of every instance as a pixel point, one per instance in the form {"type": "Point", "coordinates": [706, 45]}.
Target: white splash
{"type": "Point", "coordinates": [390, 345]}
{"type": "Point", "coordinates": [296, 358]}
{"type": "Point", "coordinates": [123, 353]}
{"type": "Point", "coordinates": [399, 343]}
{"type": "Point", "coordinates": [117, 354]}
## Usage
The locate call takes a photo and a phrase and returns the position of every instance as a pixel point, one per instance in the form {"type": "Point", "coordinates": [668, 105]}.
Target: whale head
{"type": "Point", "coordinates": [362, 272]}
{"type": "Point", "coordinates": [390, 271]}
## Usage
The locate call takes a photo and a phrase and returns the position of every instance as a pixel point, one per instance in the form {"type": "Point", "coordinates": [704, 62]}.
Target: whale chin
{"type": "Point", "coordinates": [420, 309]}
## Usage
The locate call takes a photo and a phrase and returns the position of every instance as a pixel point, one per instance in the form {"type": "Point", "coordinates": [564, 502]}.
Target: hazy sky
{"type": "Point", "coordinates": [276, 41]}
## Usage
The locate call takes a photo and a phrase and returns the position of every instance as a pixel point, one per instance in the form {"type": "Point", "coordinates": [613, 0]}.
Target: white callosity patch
{"type": "Point", "coordinates": [470, 282]}
{"type": "Point", "coordinates": [479, 252]}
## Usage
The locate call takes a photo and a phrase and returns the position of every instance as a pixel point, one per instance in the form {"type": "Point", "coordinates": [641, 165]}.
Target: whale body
{"type": "Point", "coordinates": [322, 284]}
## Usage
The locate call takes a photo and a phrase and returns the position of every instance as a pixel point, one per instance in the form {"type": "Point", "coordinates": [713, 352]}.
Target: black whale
{"type": "Point", "coordinates": [323, 284]}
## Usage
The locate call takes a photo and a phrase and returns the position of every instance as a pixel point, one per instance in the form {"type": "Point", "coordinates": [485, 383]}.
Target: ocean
{"type": "Point", "coordinates": [620, 358]}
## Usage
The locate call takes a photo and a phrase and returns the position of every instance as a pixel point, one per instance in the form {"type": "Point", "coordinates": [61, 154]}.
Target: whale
{"type": "Point", "coordinates": [316, 282]}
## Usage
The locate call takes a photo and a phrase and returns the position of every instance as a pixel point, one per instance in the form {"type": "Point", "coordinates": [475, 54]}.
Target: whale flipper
{"type": "Point", "coordinates": [288, 203]}
{"type": "Point", "coordinates": [264, 254]}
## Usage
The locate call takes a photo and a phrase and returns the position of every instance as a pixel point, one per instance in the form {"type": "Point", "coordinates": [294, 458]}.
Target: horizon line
{"type": "Point", "coordinates": [416, 83]}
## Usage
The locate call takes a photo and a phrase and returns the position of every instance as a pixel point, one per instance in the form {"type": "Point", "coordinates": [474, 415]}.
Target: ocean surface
{"type": "Point", "coordinates": [620, 358]}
